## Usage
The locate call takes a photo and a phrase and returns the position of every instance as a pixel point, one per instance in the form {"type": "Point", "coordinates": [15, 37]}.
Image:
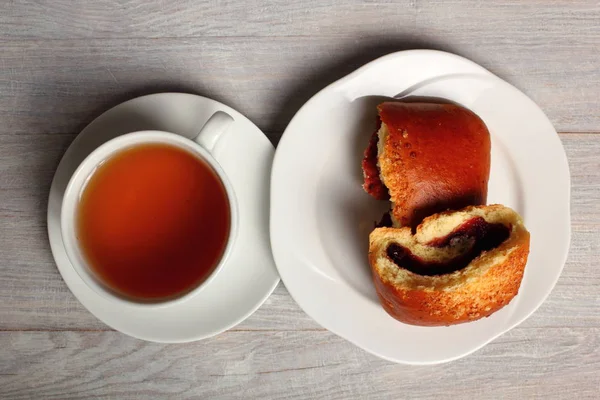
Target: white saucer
{"type": "Point", "coordinates": [321, 217]}
{"type": "Point", "coordinates": [250, 275]}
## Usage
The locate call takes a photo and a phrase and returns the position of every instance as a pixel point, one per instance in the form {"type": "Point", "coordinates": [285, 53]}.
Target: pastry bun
{"type": "Point", "coordinates": [458, 266]}
{"type": "Point", "coordinates": [430, 158]}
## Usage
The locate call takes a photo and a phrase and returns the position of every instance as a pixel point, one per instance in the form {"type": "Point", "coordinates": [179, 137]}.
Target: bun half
{"type": "Point", "coordinates": [459, 266]}
{"type": "Point", "coordinates": [430, 158]}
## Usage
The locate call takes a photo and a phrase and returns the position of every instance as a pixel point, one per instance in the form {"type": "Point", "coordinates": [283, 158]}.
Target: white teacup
{"type": "Point", "coordinates": [201, 146]}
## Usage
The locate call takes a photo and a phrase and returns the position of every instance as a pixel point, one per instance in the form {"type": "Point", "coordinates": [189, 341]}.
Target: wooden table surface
{"type": "Point", "coordinates": [64, 62]}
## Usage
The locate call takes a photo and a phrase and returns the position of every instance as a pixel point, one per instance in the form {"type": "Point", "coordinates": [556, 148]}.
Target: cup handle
{"type": "Point", "coordinates": [218, 124]}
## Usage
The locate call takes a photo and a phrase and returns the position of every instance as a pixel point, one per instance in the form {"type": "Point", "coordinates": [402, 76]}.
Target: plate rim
{"type": "Point", "coordinates": [485, 73]}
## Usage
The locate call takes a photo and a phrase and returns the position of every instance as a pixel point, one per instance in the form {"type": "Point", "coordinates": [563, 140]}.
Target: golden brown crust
{"type": "Point", "coordinates": [435, 157]}
{"type": "Point", "coordinates": [468, 296]}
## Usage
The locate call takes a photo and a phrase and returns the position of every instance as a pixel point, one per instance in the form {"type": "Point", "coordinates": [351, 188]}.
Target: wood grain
{"type": "Point", "coordinates": [64, 19]}
{"type": "Point", "coordinates": [544, 363]}
{"type": "Point", "coordinates": [59, 86]}
{"type": "Point", "coordinates": [267, 58]}
{"type": "Point", "coordinates": [190, 18]}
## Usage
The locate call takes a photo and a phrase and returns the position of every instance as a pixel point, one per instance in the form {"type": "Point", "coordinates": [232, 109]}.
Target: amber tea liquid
{"type": "Point", "coordinates": [153, 221]}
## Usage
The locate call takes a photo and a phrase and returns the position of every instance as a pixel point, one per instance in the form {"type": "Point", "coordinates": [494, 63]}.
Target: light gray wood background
{"type": "Point", "coordinates": [64, 62]}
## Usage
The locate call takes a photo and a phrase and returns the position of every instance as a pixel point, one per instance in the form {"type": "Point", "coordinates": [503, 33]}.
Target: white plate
{"type": "Point", "coordinates": [249, 276]}
{"type": "Point", "coordinates": [321, 218]}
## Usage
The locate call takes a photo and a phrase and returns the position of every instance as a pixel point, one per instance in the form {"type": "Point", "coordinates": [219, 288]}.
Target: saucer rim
{"type": "Point", "coordinates": [56, 244]}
